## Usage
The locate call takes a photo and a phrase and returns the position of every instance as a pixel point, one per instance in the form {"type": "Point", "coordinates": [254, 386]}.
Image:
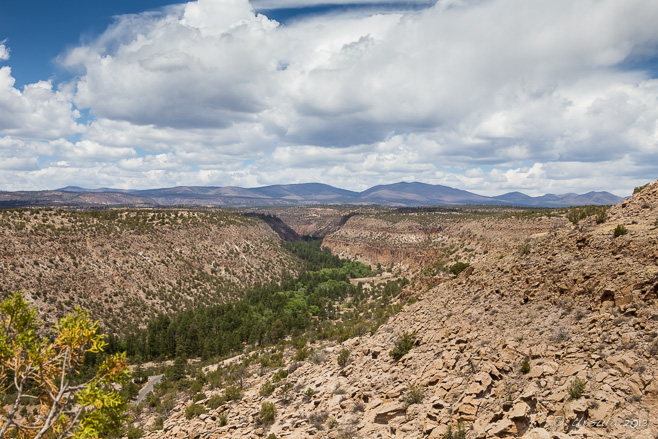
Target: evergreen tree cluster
{"type": "Point", "coordinates": [264, 316]}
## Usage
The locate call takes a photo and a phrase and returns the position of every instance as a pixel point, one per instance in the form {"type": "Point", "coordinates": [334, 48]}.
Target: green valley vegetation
{"type": "Point", "coordinates": [321, 303]}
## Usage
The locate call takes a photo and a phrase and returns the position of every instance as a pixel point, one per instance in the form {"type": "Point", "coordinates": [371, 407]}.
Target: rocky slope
{"type": "Point", "coordinates": [124, 265]}
{"type": "Point", "coordinates": [416, 240]}
{"type": "Point", "coordinates": [554, 338]}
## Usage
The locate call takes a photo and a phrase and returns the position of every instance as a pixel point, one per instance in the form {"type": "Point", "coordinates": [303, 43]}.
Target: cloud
{"type": "Point", "coordinates": [37, 111]}
{"type": "Point", "coordinates": [502, 95]}
{"type": "Point", "coordinates": [4, 52]}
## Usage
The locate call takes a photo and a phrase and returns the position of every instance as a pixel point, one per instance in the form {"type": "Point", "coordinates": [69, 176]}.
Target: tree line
{"type": "Point", "coordinates": [265, 315]}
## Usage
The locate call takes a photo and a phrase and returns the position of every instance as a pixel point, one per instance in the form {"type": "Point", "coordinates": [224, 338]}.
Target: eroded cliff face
{"type": "Point", "coordinates": [418, 240]}
{"type": "Point", "coordinates": [125, 265]}
{"type": "Point", "coordinates": [556, 339]}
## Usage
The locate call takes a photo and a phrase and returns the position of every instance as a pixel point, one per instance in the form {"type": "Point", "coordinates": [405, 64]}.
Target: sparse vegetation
{"type": "Point", "coordinates": [620, 230]}
{"type": "Point", "coordinates": [524, 248]}
{"type": "Point", "coordinates": [194, 410]}
{"type": "Point", "coordinates": [639, 189]}
{"type": "Point", "coordinates": [458, 267]}
{"type": "Point", "coordinates": [578, 213]}
{"type": "Point", "coordinates": [267, 388]}
{"type": "Point", "coordinates": [403, 345]}
{"type": "Point", "coordinates": [343, 356]}
{"type": "Point", "coordinates": [267, 412]}
{"type": "Point", "coordinates": [414, 395]}
{"type": "Point", "coordinates": [576, 388]}
{"type": "Point", "coordinates": [525, 366]}
{"type": "Point", "coordinates": [459, 433]}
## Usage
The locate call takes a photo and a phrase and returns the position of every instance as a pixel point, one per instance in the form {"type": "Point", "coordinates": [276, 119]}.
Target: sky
{"type": "Point", "coordinates": [490, 96]}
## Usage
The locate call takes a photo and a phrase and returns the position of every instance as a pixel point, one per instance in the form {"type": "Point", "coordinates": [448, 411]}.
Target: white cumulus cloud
{"type": "Point", "coordinates": [489, 96]}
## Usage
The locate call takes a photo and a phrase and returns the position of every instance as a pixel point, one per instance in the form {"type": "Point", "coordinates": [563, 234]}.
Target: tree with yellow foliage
{"type": "Point", "coordinates": [43, 394]}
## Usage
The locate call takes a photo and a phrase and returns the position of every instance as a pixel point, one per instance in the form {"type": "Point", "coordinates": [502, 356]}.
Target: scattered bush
{"type": "Point", "coordinates": [639, 188]}
{"type": "Point", "coordinates": [358, 407]}
{"type": "Point", "coordinates": [223, 420]}
{"type": "Point", "coordinates": [280, 375]}
{"type": "Point", "coordinates": [576, 388]}
{"type": "Point", "coordinates": [577, 213]}
{"type": "Point", "coordinates": [460, 433]}
{"type": "Point", "coordinates": [525, 366]}
{"type": "Point", "coordinates": [302, 354]}
{"type": "Point", "coordinates": [232, 393]}
{"type": "Point", "coordinates": [267, 412]}
{"type": "Point", "coordinates": [317, 418]}
{"type": "Point", "coordinates": [194, 410]}
{"type": "Point", "coordinates": [620, 230]}
{"type": "Point", "coordinates": [414, 395]}
{"type": "Point", "coordinates": [343, 355]}
{"type": "Point", "coordinates": [134, 433]}
{"type": "Point", "coordinates": [215, 401]}
{"type": "Point", "coordinates": [458, 267]}
{"type": "Point", "coordinates": [524, 248]}
{"type": "Point", "coordinates": [158, 424]}
{"type": "Point", "coordinates": [403, 345]}
{"type": "Point", "coordinates": [267, 388]}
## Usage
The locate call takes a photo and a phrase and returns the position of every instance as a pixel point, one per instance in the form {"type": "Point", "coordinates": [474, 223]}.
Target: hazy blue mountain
{"type": "Point", "coordinates": [401, 194]}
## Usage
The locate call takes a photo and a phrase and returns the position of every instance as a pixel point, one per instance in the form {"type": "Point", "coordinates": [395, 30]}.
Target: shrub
{"type": "Point", "coordinates": [343, 355]}
{"type": "Point", "coordinates": [414, 395]}
{"type": "Point", "coordinates": [525, 366]}
{"type": "Point", "coordinates": [403, 345]}
{"type": "Point", "coordinates": [358, 407]}
{"type": "Point", "coordinates": [196, 387]}
{"type": "Point", "coordinates": [285, 391]}
{"type": "Point", "coordinates": [458, 267]}
{"type": "Point", "coordinates": [620, 230]}
{"type": "Point", "coordinates": [460, 433]}
{"type": "Point", "coordinates": [223, 420]}
{"type": "Point", "coordinates": [158, 424]}
{"type": "Point", "coordinates": [639, 188]}
{"type": "Point", "coordinates": [267, 412]}
{"type": "Point", "coordinates": [215, 401]}
{"type": "Point", "coordinates": [232, 393]}
{"type": "Point", "coordinates": [524, 248]}
{"type": "Point", "coordinates": [576, 388]}
{"type": "Point", "coordinates": [317, 418]}
{"type": "Point", "coordinates": [194, 410]}
{"type": "Point", "coordinates": [302, 354]}
{"type": "Point", "coordinates": [577, 213]}
{"type": "Point", "coordinates": [134, 433]}
{"type": "Point", "coordinates": [280, 375]}
{"type": "Point", "coordinates": [267, 388]}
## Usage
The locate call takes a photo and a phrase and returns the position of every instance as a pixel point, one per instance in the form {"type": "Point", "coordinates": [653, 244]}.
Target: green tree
{"type": "Point", "coordinates": [44, 371]}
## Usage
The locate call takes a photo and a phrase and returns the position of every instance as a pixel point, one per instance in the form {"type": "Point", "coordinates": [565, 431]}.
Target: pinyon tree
{"type": "Point", "coordinates": [43, 394]}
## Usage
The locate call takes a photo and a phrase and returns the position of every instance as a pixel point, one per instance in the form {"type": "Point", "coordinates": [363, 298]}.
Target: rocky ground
{"type": "Point", "coordinates": [552, 334]}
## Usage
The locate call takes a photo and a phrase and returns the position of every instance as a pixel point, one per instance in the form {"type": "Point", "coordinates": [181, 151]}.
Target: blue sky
{"type": "Point", "coordinates": [39, 31]}
{"type": "Point", "coordinates": [490, 96]}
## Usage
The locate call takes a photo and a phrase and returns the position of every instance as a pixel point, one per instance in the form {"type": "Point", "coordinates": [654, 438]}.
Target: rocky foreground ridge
{"type": "Point", "coordinates": [554, 337]}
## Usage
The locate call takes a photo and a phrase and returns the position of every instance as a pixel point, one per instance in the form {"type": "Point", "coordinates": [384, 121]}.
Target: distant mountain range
{"type": "Point", "coordinates": [397, 194]}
